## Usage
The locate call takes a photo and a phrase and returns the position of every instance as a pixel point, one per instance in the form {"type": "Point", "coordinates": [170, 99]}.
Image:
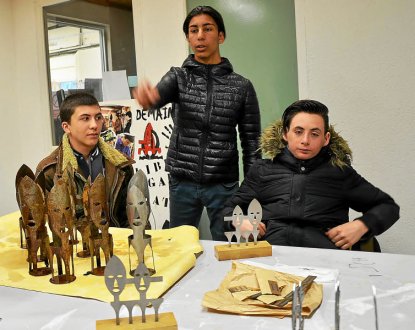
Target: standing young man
{"type": "Point", "coordinates": [209, 101]}
{"type": "Point", "coordinates": [89, 155]}
{"type": "Point", "coordinates": [308, 186]}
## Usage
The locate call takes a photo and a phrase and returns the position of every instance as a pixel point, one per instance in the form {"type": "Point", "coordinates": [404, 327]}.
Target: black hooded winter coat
{"type": "Point", "coordinates": [301, 200]}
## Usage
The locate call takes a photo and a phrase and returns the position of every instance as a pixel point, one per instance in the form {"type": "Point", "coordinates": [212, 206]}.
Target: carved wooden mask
{"type": "Point", "coordinates": [98, 205]}
{"type": "Point", "coordinates": [60, 208]}
{"type": "Point", "coordinates": [32, 203]}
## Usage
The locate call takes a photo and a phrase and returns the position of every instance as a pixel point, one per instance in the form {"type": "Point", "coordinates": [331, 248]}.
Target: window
{"type": "Point", "coordinates": [79, 48]}
{"type": "Point", "coordinates": [77, 58]}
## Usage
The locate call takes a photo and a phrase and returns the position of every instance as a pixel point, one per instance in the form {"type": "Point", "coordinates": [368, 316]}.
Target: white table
{"type": "Point", "coordinates": [392, 275]}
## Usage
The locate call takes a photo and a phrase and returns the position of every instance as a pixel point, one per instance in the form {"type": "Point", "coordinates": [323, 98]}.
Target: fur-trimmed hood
{"type": "Point", "coordinates": [113, 156]}
{"type": "Point", "coordinates": [272, 143]}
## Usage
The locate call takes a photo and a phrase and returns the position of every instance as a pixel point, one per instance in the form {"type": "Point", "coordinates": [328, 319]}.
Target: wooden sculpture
{"type": "Point", "coordinates": [61, 222]}
{"type": "Point", "coordinates": [81, 222]}
{"type": "Point", "coordinates": [33, 222]}
{"type": "Point", "coordinates": [23, 171]}
{"type": "Point", "coordinates": [97, 211]}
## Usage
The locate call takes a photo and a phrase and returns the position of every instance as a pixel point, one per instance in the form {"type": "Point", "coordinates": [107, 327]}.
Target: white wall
{"type": "Point", "coordinates": [9, 139]}
{"type": "Point", "coordinates": [159, 40]}
{"type": "Point", "coordinates": [357, 57]}
{"type": "Point", "coordinates": [25, 135]}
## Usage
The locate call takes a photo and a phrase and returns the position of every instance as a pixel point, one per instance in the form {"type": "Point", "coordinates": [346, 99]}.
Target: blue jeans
{"type": "Point", "coordinates": [187, 200]}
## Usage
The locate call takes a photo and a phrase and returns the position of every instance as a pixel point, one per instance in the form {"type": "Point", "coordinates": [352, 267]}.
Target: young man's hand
{"type": "Point", "coordinates": [146, 94]}
{"type": "Point", "coordinates": [347, 234]}
{"type": "Point", "coordinates": [246, 226]}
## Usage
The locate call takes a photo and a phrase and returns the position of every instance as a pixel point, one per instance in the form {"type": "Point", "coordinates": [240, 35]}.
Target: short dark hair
{"type": "Point", "coordinates": [207, 10]}
{"type": "Point", "coordinates": [129, 137]}
{"type": "Point", "coordinates": [72, 101]}
{"type": "Point", "coordinates": [308, 106]}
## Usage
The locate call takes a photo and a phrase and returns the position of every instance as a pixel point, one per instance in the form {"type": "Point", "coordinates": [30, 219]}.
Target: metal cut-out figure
{"type": "Point", "coordinates": [254, 217]}
{"type": "Point", "coordinates": [138, 212]}
{"type": "Point", "coordinates": [96, 208]}
{"type": "Point", "coordinates": [116, 281]}
{"type": "Point", "coordinates": [61, 222]}
{"type": "Point", "coordinates": [32, 207]}
{"type": "Point", "coordinates": [237, 219]}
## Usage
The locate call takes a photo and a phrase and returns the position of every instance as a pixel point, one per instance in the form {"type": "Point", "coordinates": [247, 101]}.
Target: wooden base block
{"type": "Point", "coordinates": [166, 321]}
{"type": "Point", "coordinates": [243, 251]}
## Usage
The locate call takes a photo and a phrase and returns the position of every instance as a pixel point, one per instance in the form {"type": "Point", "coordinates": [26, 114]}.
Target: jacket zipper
{"type": "Point", "coordinates": [206, 121]}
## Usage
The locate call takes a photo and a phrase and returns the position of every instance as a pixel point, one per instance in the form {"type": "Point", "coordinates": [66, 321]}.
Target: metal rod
{"type": "Point", "coordinates": [337, 306]}
{"type": "Point", "coordinates": [375, 304]}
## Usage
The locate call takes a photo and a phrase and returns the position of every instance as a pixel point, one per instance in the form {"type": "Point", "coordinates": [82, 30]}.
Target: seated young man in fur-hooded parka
{"type": "Point", "coordinates": [308, 186]}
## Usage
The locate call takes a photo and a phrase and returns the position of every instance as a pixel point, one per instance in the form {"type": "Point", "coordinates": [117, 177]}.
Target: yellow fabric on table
{"type": "Point", "coordinates": [174, 255]}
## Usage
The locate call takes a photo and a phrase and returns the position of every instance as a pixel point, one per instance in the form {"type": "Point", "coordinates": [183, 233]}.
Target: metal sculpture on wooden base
{"type": "Point", "coordinates": [138, 212]}
{"type": "Point", "coordinates": [97, 210]}
{"type": "Point", "coordinates": [83, 227]}
{"type": "Point", "coordinates": [249, 249]}
{"type": "Point", "coordinates": [81, 222]}
{"type": "Point", "coordinates": [61, 222]}
{"type": "Point", "coordinates": [254, 217]}
{"type": "Point", "coordinates": [116, 280]}
{"type": "Point", "coordinates": [33, 221]}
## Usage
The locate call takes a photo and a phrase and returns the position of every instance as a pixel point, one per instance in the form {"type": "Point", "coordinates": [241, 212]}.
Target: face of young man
{"type": "Point", "coordinates": [306, 136]}
{"type": "Point", "coordinates": [85, 128]}
{"type": "Point", "coordinates": [204, 39]}
{"type": "Point", "coordinates": [125, 142]}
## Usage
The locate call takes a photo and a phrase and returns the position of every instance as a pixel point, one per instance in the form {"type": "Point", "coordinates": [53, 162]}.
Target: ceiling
{"type": "Point", "coordinates": [122, 4]}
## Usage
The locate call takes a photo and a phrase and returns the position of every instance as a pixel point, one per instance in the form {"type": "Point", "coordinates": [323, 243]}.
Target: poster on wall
{"type": "Point", "coordinates": [143, 136]}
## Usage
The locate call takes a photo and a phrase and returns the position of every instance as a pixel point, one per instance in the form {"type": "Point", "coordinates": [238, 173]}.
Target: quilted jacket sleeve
{"type": "Point", "coordinates": [167, 88]}
{"type": "Point", "coordinates": [379, 210]}
{"type": "Point", "coordinates": [249, 127]}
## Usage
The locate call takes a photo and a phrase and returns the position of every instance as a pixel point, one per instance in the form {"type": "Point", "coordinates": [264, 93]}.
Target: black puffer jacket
{"type": "Point", "coordinates": [315, 193]}
{"type": "Point", "coordinates": [209, 101]}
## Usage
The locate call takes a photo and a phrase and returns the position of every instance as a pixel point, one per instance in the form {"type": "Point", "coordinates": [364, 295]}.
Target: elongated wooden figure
{"type": "Point", "coordinates": [32, 207]}
{"type": "Point", "coordinates": [23, 171]}
{"type": "Point", "coordinates": [96, 208]}
{"type": "Point", "coordinates": [81, 223]}
{"type": "Point", "coordinates": [61, 222]}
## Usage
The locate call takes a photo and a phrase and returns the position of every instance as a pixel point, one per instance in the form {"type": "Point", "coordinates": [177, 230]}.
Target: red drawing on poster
{"type": "Point", "coordinates": [150, 145]}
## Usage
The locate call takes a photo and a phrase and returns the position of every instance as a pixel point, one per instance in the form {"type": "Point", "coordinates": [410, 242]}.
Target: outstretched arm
{"type": "Point", "coordinates": [146, 94]}
{"type": "Point", "coordinates": [166, 91]}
